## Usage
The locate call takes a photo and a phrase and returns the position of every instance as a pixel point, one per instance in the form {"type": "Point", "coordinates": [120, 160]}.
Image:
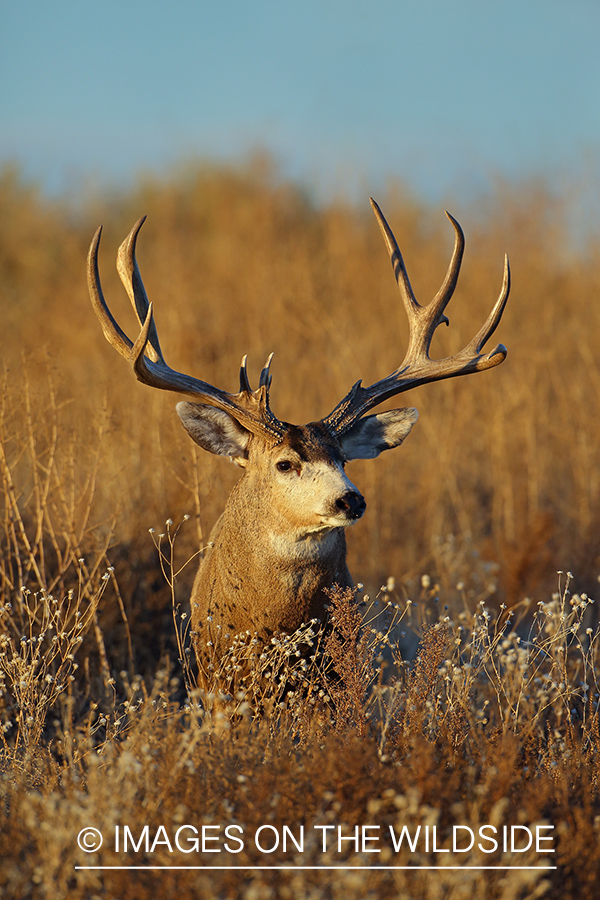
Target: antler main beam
{"type": "Point", "coordinates": [418, 367]}
{"type": "Point", "coordinates": [250, 408]}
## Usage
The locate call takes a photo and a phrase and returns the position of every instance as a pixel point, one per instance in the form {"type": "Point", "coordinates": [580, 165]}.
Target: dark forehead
{"type": "Point", "coordinates": [312, 442]}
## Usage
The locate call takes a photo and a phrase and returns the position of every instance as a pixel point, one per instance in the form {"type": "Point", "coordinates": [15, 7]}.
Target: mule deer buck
{"type": "Point", "coordinates": [280, 541]}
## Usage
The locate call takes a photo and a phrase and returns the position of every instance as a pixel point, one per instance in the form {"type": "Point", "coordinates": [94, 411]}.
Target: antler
{"type": "Point", "coordinates": [250, 408]}
{"type": "Point", "coordinates": [417, 367]}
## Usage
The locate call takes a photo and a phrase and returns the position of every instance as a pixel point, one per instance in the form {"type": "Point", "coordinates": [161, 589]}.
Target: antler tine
{"type": "Point", "coordinates": [444, 295]}
{"type": "Point", "coordinates": [423, 320]}
{"type": "Point", "coordinates": [156, 373]}
{"type": "Point", "coordinates": [244, 382]}
{"type": "Point", "coordinates": [129, 274]}
{"type": "Point", "coordinates": [113, 333]}
{"type": "Point", "coordinates": [265, 378]}
{"type": "Point", "coordinates": [406, 291]}
{"type": "Point", "coordinates": [417, 367]}
{"type": "Point", "coordinates": [250, 408]}
{"type": "Point", "coordinates": [493, 320]}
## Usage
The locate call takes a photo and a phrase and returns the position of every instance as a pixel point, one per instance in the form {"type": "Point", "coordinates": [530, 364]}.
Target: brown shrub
{"type": "Point", "coordinates": [496, 720]}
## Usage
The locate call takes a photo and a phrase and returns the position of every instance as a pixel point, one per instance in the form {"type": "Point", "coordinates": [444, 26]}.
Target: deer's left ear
{"type": "Point", "coordinates": [372, 435]}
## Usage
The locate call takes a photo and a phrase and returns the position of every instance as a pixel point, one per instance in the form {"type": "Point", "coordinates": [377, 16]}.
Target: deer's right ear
{"type": "Point", "coordinates": [215, 430]}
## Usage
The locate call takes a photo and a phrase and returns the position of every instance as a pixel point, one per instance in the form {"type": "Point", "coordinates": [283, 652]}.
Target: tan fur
{"type": "Point", "coordinates": [273, 550]}
{"type": "Point", "coordinates": [280, 542]}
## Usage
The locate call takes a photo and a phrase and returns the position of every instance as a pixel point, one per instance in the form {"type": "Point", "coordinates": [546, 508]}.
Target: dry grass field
{"type": "Point", "coordinates": [469, 699]}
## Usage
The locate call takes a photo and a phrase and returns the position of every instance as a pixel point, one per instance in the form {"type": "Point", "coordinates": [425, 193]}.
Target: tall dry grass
{"type": "Point", "coordinates": [477, 701]}
{"type": "Point", "coordinates": [238, 262]}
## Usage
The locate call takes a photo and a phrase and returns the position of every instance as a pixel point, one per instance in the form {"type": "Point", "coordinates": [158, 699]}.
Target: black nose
{"type": "Point", "coordinates": [352, 503]}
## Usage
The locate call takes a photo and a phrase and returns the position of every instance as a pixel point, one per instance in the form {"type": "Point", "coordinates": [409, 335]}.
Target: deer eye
{"type": "Point", "coordinates": [284, 465]}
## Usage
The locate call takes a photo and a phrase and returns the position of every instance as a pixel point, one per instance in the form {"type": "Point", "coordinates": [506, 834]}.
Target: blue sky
{"type": "Point", "coordinates": [441, 95]}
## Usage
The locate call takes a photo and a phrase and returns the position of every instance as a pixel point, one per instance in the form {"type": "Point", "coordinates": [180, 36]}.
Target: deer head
{"type": "Point", "coordinates": [280, 541]}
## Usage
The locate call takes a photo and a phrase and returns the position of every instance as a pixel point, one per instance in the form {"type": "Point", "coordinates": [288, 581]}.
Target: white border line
{"type": "Point", "coordinates": [317, 868]}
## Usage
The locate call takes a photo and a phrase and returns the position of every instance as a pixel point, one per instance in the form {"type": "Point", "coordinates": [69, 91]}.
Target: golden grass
{"type": "Point", "coordinates": [471, 694]}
